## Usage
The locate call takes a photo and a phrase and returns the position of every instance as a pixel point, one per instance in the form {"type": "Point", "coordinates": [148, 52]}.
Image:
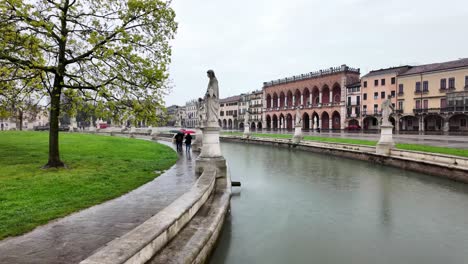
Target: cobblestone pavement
{"type": "Point", "coordinates": [75, 237]}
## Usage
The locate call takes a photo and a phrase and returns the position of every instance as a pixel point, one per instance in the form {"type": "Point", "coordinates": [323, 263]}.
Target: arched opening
{"type": "Point", "coordinates": [253, 126]}
{"type": "Point", "coordinates": [409, 123]}
{"type": "Point", "coordinates": [325, 95]}
{"type": "Point", "coordinates": [433, 123]}
{"type": "Point", "coordinates": [275, 122]}
{"type": "Point", "coordinates": [241, 125]}
{"type": "Point", "coordinates": [236, 124]}
{"type": "Point", "coordinates": [325, 121]}
{"type": "Point", "coordinates": [353, 122]}
{"type": "Point", "coordinates": [336, 121]}
{"type": "Point", "coordinates": [305, 121]}
{"type": "Point", "coordinates": [268, 121]}
{"type": "Point", "coordinates": [306, 96]}
{"type": "Point", "coordinates": [275, 100]}
{"type": "Point", "coordinates": [370, 123]}
{"type": "Point", "coordinates": [282, 96]}
{"type": "Point", "coordinates": [230, 124]}
{"type": "Point", "coordinates": [315, 96]}
{"type": "Point", "coordinates": [289, 99]}
{"type": "Point", "coordinates": [282, 122]}
{"type": "Point", "coordinates": [220, 123]}
{"type": "Point", "coordinates": [315, 120]}
{"type": "Point", "coordinates": [297, 98]}
{"type": "Point", "coordinates": [336, 94]}
{"type": "Point", "coordinates": [224, 123]}
{"type": "Point", "coordinates": [289, 122]}
{"type": "Point", "coordinates": [458, 122]}
{"type": "Point", "coordinates": [259, 126]}
{"type": "Point", "coordinates": [268, 101]}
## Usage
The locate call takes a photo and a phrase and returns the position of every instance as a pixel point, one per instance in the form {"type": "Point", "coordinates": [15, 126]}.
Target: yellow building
{"type": "Point", "coordinates": [433, 97]}
{"type": "Point", "coordinates": [376, 86]}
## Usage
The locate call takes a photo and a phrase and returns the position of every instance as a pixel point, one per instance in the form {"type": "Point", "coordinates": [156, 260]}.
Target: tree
{"type": "Point", "coordinates": [112, 52]}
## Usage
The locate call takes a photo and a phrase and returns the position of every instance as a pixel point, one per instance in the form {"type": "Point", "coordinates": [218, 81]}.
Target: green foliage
{"type": "Point", "coordinates": [99, 168]}
{"type": "Point", "coordinates": [434, 149]}
{"type": "Point", "coordinates": [113, 53]}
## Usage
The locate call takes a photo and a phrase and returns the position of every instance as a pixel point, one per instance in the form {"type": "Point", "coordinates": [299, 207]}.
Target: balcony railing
{"type": "Point", "coordinates": [455, 109]}
{"type": "Point", "coordinates": [371, 113]}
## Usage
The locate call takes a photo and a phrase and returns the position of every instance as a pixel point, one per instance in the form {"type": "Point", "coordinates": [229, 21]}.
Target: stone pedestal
{"type": "Point", "coordinates": [297, 134]}
{"type": "Point", "coordinates": [210, 156]}
{"type": "Point", "coordinates": [386, 142]}
{"type": "Point", "coordinates": [198, 142]}
{"type": "Point", "coordinates": [246, 131]}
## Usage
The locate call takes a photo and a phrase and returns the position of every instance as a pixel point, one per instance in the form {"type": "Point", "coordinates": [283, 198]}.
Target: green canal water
{"type": "Point", "coordinates": [300, 207]}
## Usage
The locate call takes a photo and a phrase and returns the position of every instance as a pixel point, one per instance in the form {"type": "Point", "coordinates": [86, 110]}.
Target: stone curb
{"type": "Point", "coordinates": [196, 241]}
{"type": "Point", "coordinates": [143, 242]}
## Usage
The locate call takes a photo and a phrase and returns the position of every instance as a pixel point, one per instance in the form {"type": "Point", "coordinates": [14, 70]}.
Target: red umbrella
{"type": "Point", "coordinates": [189, 131]}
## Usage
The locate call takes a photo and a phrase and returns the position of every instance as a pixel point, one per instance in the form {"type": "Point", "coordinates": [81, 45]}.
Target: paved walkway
{"type": "Point", "coordinates": [77, 236]}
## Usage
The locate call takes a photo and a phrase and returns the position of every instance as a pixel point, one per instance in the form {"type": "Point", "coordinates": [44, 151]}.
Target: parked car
{"type": "Point", "coordinates": [102, 125]}
{"type": "Point", "coordinates": [353, 127]}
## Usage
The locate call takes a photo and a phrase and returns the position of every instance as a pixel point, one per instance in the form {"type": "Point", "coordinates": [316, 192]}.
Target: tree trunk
{"type": "Point", "coordinates": [20, 117]}
{"type": "Point", "coordinates": [54, 155]}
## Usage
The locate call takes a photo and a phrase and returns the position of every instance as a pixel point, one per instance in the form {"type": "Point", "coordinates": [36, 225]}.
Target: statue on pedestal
{"type": "Point", "coordinates": [387, 110]}
{"type": "Point", "coordinates": [247, 118]}
{"type": "Point", "coordinates": [210, 156]}
{"type": "Point", "coordinates": [298, 118]}
{"type": "Point", "coordinates": [386, 142]}
{"type": "Point", "coordinates": [212, 101]}
{"type": "Point", "coordinates": [201, 112]}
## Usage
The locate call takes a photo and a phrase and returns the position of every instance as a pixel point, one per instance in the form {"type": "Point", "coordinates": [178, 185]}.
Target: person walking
{"type": "Point", "coordinates": [188, 143]}
{"type": "Point", "coordinates": [179, 139]}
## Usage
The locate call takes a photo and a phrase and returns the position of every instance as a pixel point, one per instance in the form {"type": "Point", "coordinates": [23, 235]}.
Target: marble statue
{"type": "Point", "coordinates": [212, 101]}
{"type": "Point", "coordinates": [246, 118]}
{"type": "Point", "coordinates": [315, 121]}
{"type": "Point", "coordinates": [387, 110]}
{"type": "Point", "coordinates": [298, 117]}
{"type": "Point", "coordinates": [201, 112]}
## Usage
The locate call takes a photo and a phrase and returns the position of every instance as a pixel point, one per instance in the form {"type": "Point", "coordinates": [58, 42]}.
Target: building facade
{"type": "Point", "coordinates": [191, 116]}
{"type": "Point", "coordinates": [433, 97]}
{"type": "Point", "coordinates": [376, 86]}
{"type": "Point", "coordinates": [256, 109]}
{"type": "Point", "coordinates": [320, 96]}
{"type": "Point", "coordinates": [353, 105]}
{"type": "Point", "coordinates": [229, 112]}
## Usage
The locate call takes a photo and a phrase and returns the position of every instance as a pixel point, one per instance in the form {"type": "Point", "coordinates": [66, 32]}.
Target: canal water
{"type": "Point", "coordinates": [301, 207]}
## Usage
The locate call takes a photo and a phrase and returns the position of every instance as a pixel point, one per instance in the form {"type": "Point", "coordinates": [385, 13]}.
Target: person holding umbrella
{"type": "Point", "coordinates": [188, 142]}
{"type": "Point", "coordinates": [179, 138]}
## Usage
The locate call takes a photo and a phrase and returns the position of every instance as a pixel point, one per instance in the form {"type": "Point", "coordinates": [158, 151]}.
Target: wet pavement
{"type": "Point", "coordinates": [75, 237]}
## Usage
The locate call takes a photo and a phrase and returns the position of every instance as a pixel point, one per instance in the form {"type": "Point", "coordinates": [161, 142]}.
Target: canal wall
{"type": "Point", "coordinates": [446, 166]}
{"type": "Point", "coordinates": [184, 232]}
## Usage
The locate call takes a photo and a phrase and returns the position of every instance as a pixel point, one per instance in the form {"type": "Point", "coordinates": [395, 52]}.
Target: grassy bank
{"type": "Point", "coordinates": [99, 168]}
{"type": "Point", "coordinates": [414, 147]}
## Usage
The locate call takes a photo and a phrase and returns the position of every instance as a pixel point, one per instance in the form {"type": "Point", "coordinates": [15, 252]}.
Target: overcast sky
{"type": "Point", "coordinates": [247, 42]}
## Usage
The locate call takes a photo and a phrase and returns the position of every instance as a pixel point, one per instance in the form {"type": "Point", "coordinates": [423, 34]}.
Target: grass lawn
{"type": "Point", "coordinates": [311, 138]}
{"type": "Point", "coordinates": [414, 147]}
{"type": "Point", "coordinates": [99, 168]}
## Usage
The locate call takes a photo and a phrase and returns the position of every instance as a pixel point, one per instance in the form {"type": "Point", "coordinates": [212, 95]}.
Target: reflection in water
{"type": "Point", "coordinates": [300, 207]}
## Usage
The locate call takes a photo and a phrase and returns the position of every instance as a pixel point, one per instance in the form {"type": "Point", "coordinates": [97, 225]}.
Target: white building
{"type": "Point", "coordinates": [191, 114]}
